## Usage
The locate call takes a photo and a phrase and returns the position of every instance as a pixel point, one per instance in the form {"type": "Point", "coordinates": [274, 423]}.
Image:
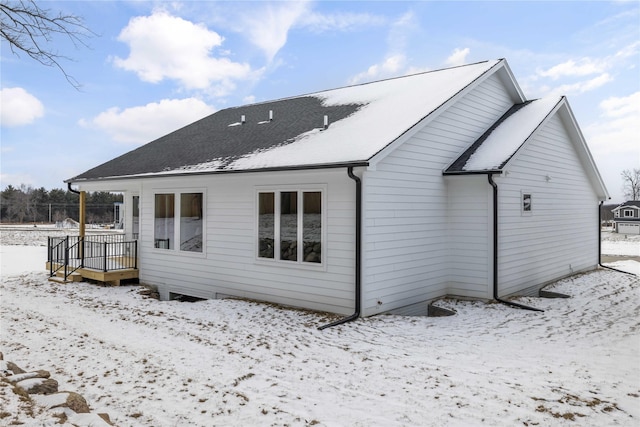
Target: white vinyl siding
{"type": "Point", "coordinates": [406, 237]}
{"type": "Point", "coordinates": [230, 266]}
{"type": "Point", "coordinates": [470, 236]}
{"type": "Point", "coordinates": [551, 242]}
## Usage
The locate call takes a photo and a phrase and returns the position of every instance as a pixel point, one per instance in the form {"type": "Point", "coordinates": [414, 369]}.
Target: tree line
{"type": "Point", "coordinates": [37, 205]}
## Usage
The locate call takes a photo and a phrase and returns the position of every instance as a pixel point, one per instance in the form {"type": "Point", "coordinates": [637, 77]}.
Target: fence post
{"type": "Point", "coordinates": [50, 256]}
{"type": "Point", "coordinates": [105, 256]}
{"type": "Point", "coordinates": [66, 258]}
{"type": "Point", "coordinates": [135, 252]}
{"type": "Point", "coordinates": [81, 248]}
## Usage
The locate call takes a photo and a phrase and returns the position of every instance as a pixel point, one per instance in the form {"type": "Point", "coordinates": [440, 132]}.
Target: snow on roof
{"type": "Point", "coordinates": [363, 120]}
{"type": "Point", "coordinates": [628, 204]}
{"type": "Point", "coordinates": [498, 146]}
{"type": "Point", "coordinates": [391, 107]}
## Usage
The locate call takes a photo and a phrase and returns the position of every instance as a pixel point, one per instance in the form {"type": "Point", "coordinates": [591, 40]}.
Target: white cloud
{"type": "Point", "coordinates": [18, 107]}
{"type": "Point", "coordinates": [400, 32]}
{"type": "Point", "coordinates": [622, 107]}
{"type": "Point", "coordinates": [268, 26]}
{"type": "Point", "coordinates": [573, 68]}
{"type": "Point", "coordinates": [395, 62]}
{"type": "Point", "coordinates": [146, 123]}
{"type": "Point", "coordinates": [582, 86]}
{"type": "Point", "coordinates": [618, 127]}
{"type": "Point", "coordinates": [604, 69]}
{"type": "Point", "coordinates": [164, 46]}
{"type": "Point", "coordinates": [613, 139]}
{"type": "Point", "coordinates": [16, 180]}
{"type": "Point", "coordinates": [343, 21]}
{"type": "Point", "coordinates": [390, 67]}
{"type": "Point", "coordinates": [458, 57]}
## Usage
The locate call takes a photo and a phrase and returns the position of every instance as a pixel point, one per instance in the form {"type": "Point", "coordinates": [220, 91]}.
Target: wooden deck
{"type": "Point", "coordinates": [112, 277]}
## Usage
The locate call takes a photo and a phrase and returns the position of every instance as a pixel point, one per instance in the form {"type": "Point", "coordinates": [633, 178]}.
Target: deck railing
{"type": "Point", "coordinates": [105, 252]}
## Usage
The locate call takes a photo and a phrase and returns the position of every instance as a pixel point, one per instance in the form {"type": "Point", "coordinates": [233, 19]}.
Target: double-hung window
{"type": "Point", "coordinates": [178, 222]}
{"type": "Point", "coordinates": [290, 226]}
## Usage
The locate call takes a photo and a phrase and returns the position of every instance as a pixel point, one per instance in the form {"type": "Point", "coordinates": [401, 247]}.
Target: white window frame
{"type": "Point", "coordinates": [628, 213]}
{"type": "Point", "coordinates": [129, 215]}
{"type": "Point", "coordinates": [300, 189]}
{"type": "Point", "coordinates": [177, 194]}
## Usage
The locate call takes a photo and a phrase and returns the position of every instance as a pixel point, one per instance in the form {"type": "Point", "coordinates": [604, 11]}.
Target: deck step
{"type": "Point", "coordinates": [73, 277]}
{"type": "Point", "coordinates": [58, 280]}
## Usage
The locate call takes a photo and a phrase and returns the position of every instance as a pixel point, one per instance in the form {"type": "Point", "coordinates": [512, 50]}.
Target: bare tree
{"type": "Point", "coordinates": [631, 183]}
{"type": "Point", "coordinates": [29, 29]}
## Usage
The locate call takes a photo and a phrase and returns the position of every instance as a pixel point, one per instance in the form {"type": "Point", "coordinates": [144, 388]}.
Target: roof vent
{"type": "Point", "coordinates": [242, 119]}
{"type": "Point", "coordinates": [270, 115]}
{"type": "Point", "coordinates": [326, 121]}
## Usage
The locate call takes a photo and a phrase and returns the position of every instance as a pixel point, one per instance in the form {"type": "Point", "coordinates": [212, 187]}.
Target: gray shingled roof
{"type": "Point", "coordinates": [212, 138]}
{"type": "Point", "coordinates": [363, 120]}
{"type": "Point", "coordinates": [629, 203]}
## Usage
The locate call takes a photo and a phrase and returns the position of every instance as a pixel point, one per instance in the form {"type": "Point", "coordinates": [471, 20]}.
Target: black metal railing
{"type": "Point", "coordinates": [104, 252]}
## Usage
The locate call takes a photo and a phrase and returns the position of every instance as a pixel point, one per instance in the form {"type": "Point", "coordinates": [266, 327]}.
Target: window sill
{"type": "Point", "coordinates": [307, 266]}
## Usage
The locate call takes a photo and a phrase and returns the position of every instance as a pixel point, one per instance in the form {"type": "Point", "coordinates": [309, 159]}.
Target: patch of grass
{"type": "Point", "coordinates": [242, 378]}
{"type": "Point", "coordinates": [62, 417]}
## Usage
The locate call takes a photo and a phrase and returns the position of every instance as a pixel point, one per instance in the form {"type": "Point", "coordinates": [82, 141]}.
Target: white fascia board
{"type": "Point", "coordinates": [113, 186]}
{"type": "Point", "coordinates": [584, 153]}
{"type": "Point", "coordinates": [508, 79]}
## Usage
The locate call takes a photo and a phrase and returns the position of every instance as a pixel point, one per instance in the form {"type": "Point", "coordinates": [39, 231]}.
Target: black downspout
{"type": "Point", "coordinates": [495, 251]}
{"type": "Point", "coordinates": [358, 300]}
{"type": "Point", "coordinates": [71, 189]}
{"type": "Point", "coordinates": [600, 244]}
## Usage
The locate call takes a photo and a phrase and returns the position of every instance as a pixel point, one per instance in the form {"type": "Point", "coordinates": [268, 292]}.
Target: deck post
{"type": "Point", "coordinates": [82, 227]}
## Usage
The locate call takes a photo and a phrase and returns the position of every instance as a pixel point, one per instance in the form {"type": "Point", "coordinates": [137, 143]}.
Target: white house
{"type": "Point", "coordinates": [626, 217]}
{"type": "Point", "coordinates": [366, 199]}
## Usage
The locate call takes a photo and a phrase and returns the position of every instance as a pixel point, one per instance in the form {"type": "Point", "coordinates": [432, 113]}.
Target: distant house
{"type": "Point", "coordinates": [626, 217]}
{"type": "Point", "coordinates": [365, 199]}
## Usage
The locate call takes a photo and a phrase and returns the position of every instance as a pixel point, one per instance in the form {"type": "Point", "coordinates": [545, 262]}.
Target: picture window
{"type": "Point", "coordinates": [188, 231]}
{"type": "Point", "coordinates": [290, 226]}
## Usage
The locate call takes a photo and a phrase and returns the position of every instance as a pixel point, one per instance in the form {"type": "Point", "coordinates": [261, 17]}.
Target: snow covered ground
{"type": "Point", "coordinates": [239, 363]}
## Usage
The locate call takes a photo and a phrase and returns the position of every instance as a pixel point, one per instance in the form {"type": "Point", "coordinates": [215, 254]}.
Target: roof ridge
{"type": "Point", "coordinates": [313, 94]}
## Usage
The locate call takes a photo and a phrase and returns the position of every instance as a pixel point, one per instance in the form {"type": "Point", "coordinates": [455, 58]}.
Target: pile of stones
{"type": "Point", "coordinates": [39, 388]}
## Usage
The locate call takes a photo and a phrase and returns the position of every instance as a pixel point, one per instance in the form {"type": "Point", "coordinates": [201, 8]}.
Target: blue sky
{"type": "Point", "coordinates": [156, 66]}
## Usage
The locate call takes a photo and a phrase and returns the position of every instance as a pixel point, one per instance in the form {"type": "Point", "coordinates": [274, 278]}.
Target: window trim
{"type": "Point", "coordinates": [300, 189]}
{"type": "Point", "coordinates": [630, 212]}
{"type": "Point", "coordinates": [135, 234]}
{"type": "Point", "coordinates": [177, 209]}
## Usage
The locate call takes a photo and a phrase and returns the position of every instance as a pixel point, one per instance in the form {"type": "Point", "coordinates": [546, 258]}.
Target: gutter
{"type": "Point", "coordinates": [600, 244]}
{"type": "Point", "coordinates": [358, 250]}
{"type": "Point", "coordinates": [175, 172]}
{"type": "Point", "coordinates": [495, 251]}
